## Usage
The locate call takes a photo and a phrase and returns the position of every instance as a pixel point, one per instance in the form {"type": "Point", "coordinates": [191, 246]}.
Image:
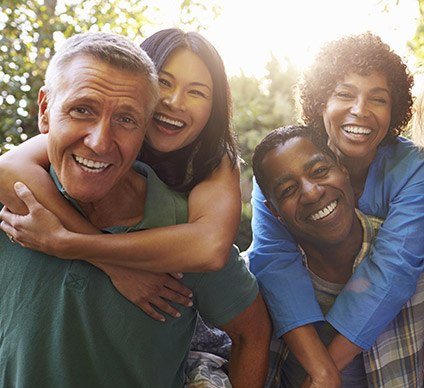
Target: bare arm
{"type": "Point", "coordinates": [200, 245]}
{"type": "Point", "coordinates": [250, 333]}
{"type": "Point", "coordinates": [322, 364]}
{"type": "Point", "coordinates": [343, 351]}
{"type": "Point", "coordinates": [307, 347]}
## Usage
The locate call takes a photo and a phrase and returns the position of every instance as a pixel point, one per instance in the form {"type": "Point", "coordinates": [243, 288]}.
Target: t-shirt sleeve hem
{"type": "Point", "coordinates": [286, 328]}
{"type": "Point", "coordinates": [235, 308]}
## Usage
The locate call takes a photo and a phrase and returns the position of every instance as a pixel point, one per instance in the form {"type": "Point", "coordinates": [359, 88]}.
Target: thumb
{"type": "Point", "coordinates": [25, 194]}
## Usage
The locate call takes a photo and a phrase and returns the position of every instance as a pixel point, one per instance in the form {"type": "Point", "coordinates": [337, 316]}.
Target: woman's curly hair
{"type": "Point", "coordinates": [360, 54]}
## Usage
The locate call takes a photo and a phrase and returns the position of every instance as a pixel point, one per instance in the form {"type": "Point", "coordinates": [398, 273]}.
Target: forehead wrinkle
{"type": "Point", "coordinates": [103, 79]}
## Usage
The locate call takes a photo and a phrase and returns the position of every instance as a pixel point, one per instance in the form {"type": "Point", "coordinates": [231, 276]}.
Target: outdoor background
{"type": "Point", "coordinates": [264, 44]}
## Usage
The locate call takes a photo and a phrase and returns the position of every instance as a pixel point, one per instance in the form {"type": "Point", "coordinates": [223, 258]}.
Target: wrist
{"type": "Point", "coordinates": [64, 245]}
{"type": "Point", "coordinates": [326, 376]}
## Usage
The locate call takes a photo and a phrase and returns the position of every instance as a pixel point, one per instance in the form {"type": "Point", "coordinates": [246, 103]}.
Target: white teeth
{"type": "Point", "coordinates": [91, 165]}
{"type": "Point", "coordinates": [324, 212]}
{"type": "Point", "coordinates": [356, 130]}
{"type": "Point", "coordinates": [165, 119]}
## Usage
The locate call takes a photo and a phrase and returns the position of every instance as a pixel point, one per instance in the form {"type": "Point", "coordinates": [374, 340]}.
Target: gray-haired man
{"type": "Point", "coordinates": [62, 323]}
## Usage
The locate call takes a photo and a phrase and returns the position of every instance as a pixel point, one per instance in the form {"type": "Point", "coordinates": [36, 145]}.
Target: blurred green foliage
{"type": "Point", "coordinates": [29, 30]}
{"type": "Point", "coordinates": [260, 105]}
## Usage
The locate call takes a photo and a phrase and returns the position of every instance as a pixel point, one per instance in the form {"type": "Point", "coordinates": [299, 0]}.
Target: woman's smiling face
{"type": "Point", "coordinates": [357, 115]}
{"type": "Point", "coordinates": [186, 90]}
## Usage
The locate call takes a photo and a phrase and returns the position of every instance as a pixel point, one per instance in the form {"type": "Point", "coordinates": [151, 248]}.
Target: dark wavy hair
{"type": "Point", "coordinates": [217, 138]}
{"type": "Point", "coordinates": [361, 54]}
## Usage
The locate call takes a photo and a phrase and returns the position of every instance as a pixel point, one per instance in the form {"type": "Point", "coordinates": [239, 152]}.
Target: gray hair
{"type": "Point", "coordinates": [113, 49]}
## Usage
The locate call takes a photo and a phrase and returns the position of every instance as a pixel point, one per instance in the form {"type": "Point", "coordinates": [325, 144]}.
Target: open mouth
{"type": "Point", "coordinates": [324, 212]}
{"type": "Point", "coordinates": [168, 123]}
{"type": "Point", "coordinates": [91, 165]}
{"type": "Point", "coordinates": [356, 131]}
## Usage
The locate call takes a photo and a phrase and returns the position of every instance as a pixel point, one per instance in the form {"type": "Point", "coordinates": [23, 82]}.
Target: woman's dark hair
{"type": "Point", "coordinates": [360, 54]}
{"type": "Point", "coordinates": [183, 169]}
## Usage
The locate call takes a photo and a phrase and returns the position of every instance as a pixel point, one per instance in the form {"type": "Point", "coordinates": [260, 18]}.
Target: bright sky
{"type": "Point", "coordinates": [248, 31]}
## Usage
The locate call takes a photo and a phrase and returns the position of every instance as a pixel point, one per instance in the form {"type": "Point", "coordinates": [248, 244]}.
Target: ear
{"type": "Point", "coordinates": [273, 210]}
{"type": "Point", "coordinates": [43, 119]}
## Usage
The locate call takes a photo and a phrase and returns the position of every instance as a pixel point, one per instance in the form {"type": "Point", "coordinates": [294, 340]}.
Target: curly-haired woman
{"type": "Point", "coordinates": [359, 92]}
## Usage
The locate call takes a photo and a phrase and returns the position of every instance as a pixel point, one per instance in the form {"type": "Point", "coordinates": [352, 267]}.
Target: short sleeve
{"type": "Point", "coordinates": [221, 296]}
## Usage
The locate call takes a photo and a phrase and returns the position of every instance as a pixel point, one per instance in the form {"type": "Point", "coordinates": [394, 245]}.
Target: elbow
{"type": "Point", "coordinates": [218, 253]}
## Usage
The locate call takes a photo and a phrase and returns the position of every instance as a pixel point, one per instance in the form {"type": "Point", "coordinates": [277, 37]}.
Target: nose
{"type": "Point", "coordinates": [175, 100]}
{"type": "Point", "coordinates": [311, 192]}
{"type": "Point", "coordinates": [100, 137]}
{"type": "Point", "coordinates": [360, 108]}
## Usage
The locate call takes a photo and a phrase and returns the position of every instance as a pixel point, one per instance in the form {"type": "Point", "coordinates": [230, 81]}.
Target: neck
{"type": "Point", "coordinates": [334, 262]}
{"type": "Point", "coordinates": [122, 206]}
{"type": "Point", "coordinates": [358, 172]}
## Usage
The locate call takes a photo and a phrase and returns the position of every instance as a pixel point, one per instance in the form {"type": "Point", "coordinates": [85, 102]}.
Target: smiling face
{"type": "Point", "coordinates": [309, 192]}
{"type": "Point", "coordinates": [95, 120]}
{"type": "Point", "coordinates": [186, 90]}
{"type": "Point", "coordinates": [357, 116]}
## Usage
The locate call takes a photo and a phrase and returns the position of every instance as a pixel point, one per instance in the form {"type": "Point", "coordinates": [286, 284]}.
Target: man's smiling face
{"type": "Point", "coordinates": [96, 123]}
{"type": "Point", "coordinates": [309, 192]}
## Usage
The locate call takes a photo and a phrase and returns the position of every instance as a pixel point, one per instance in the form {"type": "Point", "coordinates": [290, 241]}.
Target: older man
{"type": "Point", "coordinates": [62, 323]}
{"type": "Point", "coordinates": [310, 192]}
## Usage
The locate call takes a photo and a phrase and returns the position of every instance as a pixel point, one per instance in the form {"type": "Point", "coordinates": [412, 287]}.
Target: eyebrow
{"type": "Point", "coordinates": [191, 83]}
{"type": "Point", "coordinates": [96, 102]}
{"type": "Point", "coordinates": [373, 90]}
{"type": "Point", "coordinates": [314, 160]}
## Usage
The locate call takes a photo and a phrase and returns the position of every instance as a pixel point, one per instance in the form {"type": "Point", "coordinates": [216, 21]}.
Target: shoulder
{"type": "Point", "coordinates": [161, 200]}
{"type": "Point", "coordinates": [398, 161]}
{"type": "Point", "coordinates": [401, 150]}
{"type": "Point", "coordinates": [224, 294]}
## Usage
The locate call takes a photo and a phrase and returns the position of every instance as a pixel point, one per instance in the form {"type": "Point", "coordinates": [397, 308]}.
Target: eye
{"type": "Point", "coordinates": [344, 95]}
{"type": "Point", "coordinates": [164, 82]}
{"type": "Point", "coordinates": [287, 191]}
{"type": "Point", "coordinates": [198, 93]}
{"type": "Point", "coordinates": [379, 100]}
{"type": "Point", "coordinates": [80, 111]}
{"type": "Point", "coordinates": [127, 122]}
{"type": "Point", "coordinates": [321, 172]}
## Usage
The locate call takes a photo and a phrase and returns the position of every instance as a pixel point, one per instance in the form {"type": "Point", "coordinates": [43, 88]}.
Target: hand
{"type": "Point", "coordinates": [148, 290]}
{"type": "Point", "coordinates": [331, 381]}
{"type": "Point", "coordinates": [40, 229]}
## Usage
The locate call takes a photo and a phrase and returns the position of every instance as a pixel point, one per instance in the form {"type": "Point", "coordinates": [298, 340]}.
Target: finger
{"type": "Point", "coordinates": [6, 214]}
{"type": "Point", "coordinates": [164, 306]}
{"type": "Point", "coordinates": [150, 311]}
{"type": "Point", "coordinates": [7, 228]}
{"type": "Point", "coordinates": [25, 194]}
{"type": "Point", "coordinates": [177, 286]}
{"type": "Point", "coordinates": [175, 297]}
{"type": "Point", "coordinates": [176, 275]}
{"type": "Point", "coordinates": [11, 232]}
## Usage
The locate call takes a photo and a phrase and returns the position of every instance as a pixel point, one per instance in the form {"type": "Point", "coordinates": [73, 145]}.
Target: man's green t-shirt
{"type": "Point", "coordinates": [63, 324]}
